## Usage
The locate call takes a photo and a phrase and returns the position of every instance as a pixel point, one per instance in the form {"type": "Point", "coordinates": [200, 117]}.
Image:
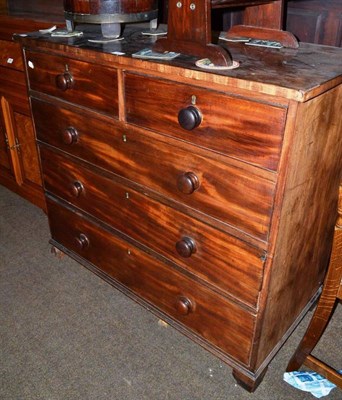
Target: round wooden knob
{"type": "Point", "coordinates": [82, 241]}
{"type": "Point", "coordinates": [186, 247]}
{"type": "Point", "coordinates": [70, 135]}
{"type": "Point", "coordinates": [76, 188]}
{"type": "Point", "coordinates": [183, 305]}
{"type": "Point", "coordinates": [64, 81]}
{"type": "Point", "coordinates": [188, 183]}
{"type": "Point", "coordinates": [189, 118]}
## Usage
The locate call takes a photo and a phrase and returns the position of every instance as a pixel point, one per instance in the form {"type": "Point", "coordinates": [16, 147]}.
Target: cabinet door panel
{"type": "Point", "coordinates": [12, 140]}
{"type": "Point", "coordinates": [5, 164]}
{"type": "Point", "coordinates": [25, 135]}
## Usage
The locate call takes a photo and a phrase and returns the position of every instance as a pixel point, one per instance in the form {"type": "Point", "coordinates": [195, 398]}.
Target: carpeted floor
{"type": "Point", "coordinates": [66, 335]}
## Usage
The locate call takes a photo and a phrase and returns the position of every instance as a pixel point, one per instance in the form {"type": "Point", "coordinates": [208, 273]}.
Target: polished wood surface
{"type": "Point", "coordinates": [305, 190]}
{"type": "Point", "coordinates": [238, 267]}
{"type": "Point", "coordinates": [157, 283]}
{"type": "Point", "coordinates": [74, 81]}
{"type": "Point", "coordinates": [221, 119]}
{"type": "Point", "coordinates": [19, 165]}
{"type": "Point", "coordinates": [10, 55]}
{"type": "Point", "coordinates": [206, 195]}
{"type": "Point", "coordinates": [131, 153]}
{"type": "Point", "coordinates": [270, 16]}
{"type": "Point", "coordinates": [330, 295]}
{"type": "Point", "coordinates": [281, 74]}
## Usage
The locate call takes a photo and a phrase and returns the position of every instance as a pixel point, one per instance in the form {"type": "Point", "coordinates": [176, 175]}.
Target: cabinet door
{"type": "Point", "coordinates": [5, 157]}
{"type": "Point", "coordinates": [11, 141]}
{"type": "Point", "coordinates": [19, 144]}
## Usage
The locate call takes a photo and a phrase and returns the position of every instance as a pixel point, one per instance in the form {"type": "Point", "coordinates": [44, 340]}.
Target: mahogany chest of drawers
{"type": "Point", "coordinates": [206, 196]}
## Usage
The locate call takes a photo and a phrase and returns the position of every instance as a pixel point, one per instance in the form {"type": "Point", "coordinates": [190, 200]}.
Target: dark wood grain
{"type": "Point", "coordinates": [286, 39]}
{"type": "Point", "coordinates": [10, 55]}
{"type": "Point", "coordinates": [93, 86]}
{"type": "Point", "coordinates": [316, 21]}
{"type": "Point", "coordinates": [139, 156]}
{"type": "Point", "coordinates": [158, 284]}
{"type": "Point", "coordinates": [330, 295]}
{"type": "Point", "coordinates": [310, 198]}
{"type": "Point", "coordinates": [236, 127]}
{"type": "Point", "coordinates": [269, 16]}
{"type": "Point", "coordinates": [19, 164]}
{"type": "Point", "coordinates": [231, 265]}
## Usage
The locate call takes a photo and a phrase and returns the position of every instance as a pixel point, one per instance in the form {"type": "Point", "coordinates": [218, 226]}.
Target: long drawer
{"type": "Point", "coordinates": [218, 258]}
{"type": "Point", "coordinates": [237, 127]}
{"type": "Point", "coordinates": [238, 196]}
{"type": "Point", "coordinates": [212, 317]}
{"type": "Point", "coordinates": [89, 85]}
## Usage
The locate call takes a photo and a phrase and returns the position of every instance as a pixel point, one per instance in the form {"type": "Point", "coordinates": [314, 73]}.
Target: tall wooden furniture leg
{"type": "Point", "coordinates": [332, 291]}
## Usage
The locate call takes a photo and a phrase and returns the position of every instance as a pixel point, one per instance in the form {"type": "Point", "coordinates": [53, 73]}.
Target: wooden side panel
{"type": "Point", "coordinates": [308, 216]}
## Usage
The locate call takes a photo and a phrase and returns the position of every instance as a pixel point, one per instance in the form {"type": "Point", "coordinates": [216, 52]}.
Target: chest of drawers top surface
{"type": "Point", "coordinates": [289, 73]}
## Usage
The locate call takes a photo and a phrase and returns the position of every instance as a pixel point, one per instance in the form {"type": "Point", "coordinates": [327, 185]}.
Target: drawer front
{"type": "Point", "coordinates": [205, 313]}
{"type": "Point", "coordinates": [86, 84]}
{"type": "Point", "coordinates": [236, 196]}
{"type": "Point", "coordinates": [221, 260]}
{"type": "Point", "coordinates": [240, 128]}
{"type": "Point", "coordinates": [10, 55]}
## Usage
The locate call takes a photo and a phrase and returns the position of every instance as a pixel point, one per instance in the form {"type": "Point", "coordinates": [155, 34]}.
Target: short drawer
{"type": "Point", "coordinates": [240, 128]}
{"type": "Point", "coordinates": [10, 55]}
{"type": "Point", "coordinates": [218, 258]}
{"type": "Point", "coordinates": [238, 196]}
{"type": "Point", "coordinates": [212, 317]}
{"type": "Point", "coordinates": [85, 84]}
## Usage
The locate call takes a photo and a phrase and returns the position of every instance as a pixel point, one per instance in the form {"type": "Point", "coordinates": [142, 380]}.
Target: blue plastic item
{"type": "Point", "coordinates": [309, 381]}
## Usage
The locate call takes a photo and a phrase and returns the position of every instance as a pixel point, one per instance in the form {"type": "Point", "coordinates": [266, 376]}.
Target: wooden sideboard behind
{"type": "Point", "coordinates": [316, 21]}
{"type": "Point", "coordinates": [19, 163]}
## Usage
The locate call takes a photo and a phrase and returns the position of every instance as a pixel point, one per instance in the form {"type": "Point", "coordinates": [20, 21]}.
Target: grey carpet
{"type": "Point", "coordinates": [66, 335]}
